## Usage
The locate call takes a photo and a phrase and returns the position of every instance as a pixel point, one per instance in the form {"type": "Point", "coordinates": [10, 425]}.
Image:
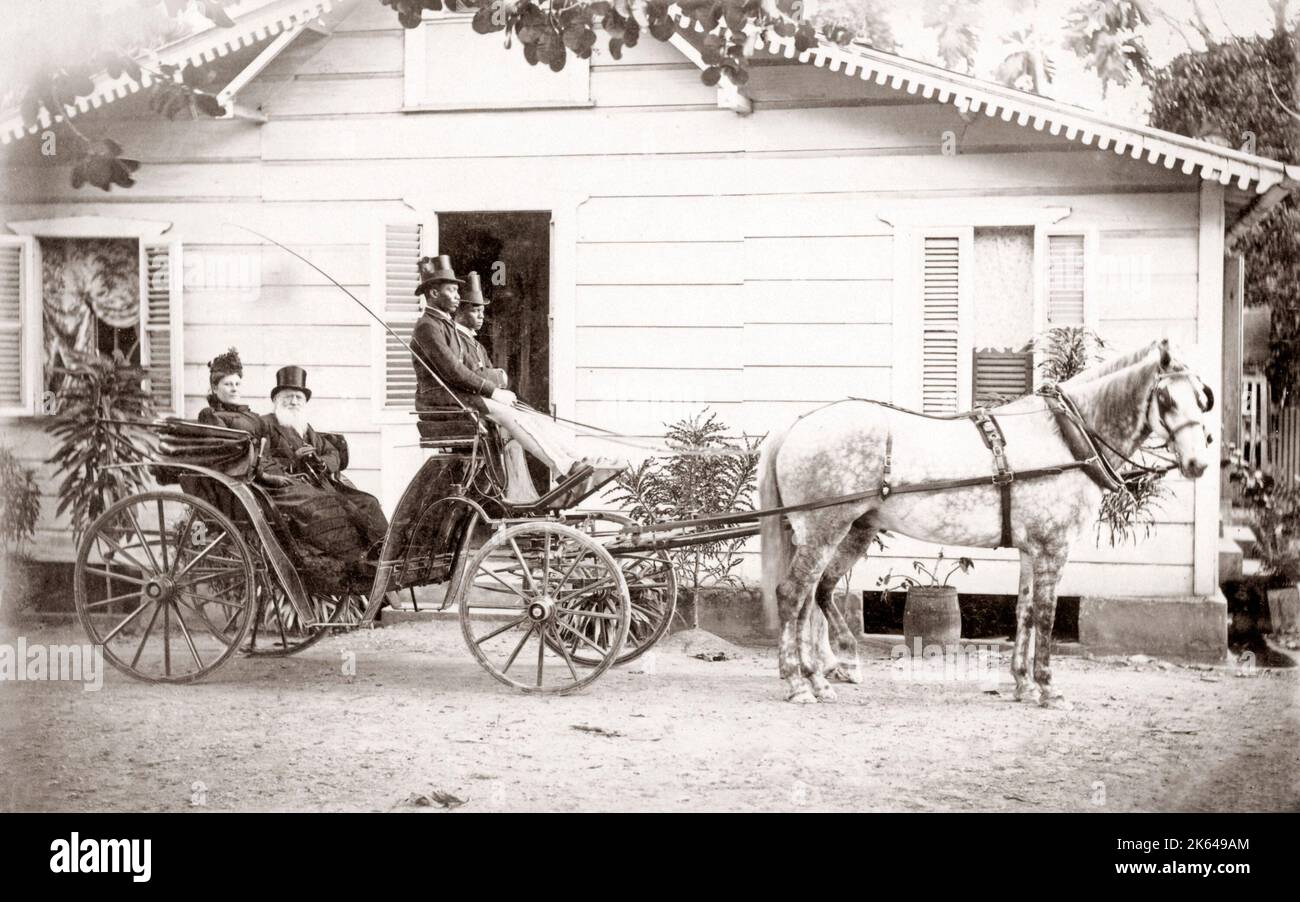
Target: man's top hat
{"type": "Point", "coordinates": [291, 377]}
{"type": "Point", "coordinates": [435, 271]}
{"type": "Point", "coordinates": [223, 365]}
{"type": "Point", "coordinates": [474, 293]}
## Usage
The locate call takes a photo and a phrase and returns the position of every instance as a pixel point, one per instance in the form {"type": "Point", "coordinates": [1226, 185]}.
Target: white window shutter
{"type": "Point", "coordinates": [1065, 280]}
{"type": "Point", "coordinates": [160, 325]}
{"type": "Point", "coordinates": [940, 324]}
{"type": "Point", "coordinates": [402, 248]}
{"type": "Point", "coordinates": [19, 326]}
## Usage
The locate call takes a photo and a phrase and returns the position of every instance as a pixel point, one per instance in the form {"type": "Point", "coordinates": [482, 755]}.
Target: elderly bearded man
{"type": "Point", "coordinates": [436, 346]}
{"type": "Point", "coordinates": [325, 510]}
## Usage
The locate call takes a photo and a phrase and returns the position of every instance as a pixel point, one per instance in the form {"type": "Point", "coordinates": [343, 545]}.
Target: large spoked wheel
{"type": "Point", "coordinates": [651, 586]}
{"type": "Point", "coordinates": [532, 597]}
{"type": "Point", "coordinates": [178, 586]}
{"type": "Point", "coordinates": [278, 632]}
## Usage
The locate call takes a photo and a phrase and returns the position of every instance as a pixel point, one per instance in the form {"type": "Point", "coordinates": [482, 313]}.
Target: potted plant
{"type": "Point", "coordinates": [931, 615]}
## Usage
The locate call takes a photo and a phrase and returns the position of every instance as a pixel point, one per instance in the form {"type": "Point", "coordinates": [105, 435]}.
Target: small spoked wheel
{"type": "Point", "coordinates": [651, 586]}
{"type": "Point", "coordinates": [166, 585]}
{"type": "Point", "coordinates": [277, 630]}
{"type": "Point", "coordinates": [543, 607]}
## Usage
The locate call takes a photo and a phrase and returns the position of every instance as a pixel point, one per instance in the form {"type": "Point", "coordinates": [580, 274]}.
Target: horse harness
{"type": "Point", "coordinates": [1069, 421]}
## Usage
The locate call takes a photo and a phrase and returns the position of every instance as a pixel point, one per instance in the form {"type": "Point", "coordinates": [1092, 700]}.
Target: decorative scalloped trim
{"type": "Point", "coordinates": [250, 29]}
{"type": "Point", "coordinates": [1208, 158]}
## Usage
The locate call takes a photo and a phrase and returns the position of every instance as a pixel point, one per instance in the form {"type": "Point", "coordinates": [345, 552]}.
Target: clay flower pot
{"type": "Point", "coordinates": [931, 614]}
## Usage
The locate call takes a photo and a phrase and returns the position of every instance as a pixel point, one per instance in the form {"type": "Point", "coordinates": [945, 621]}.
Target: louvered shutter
{"type": "Point", "coordinates": [12, 294]}
{"type": "Point", "coordinates": [160, 325]}
{"type": "Point", "coordinates": [1000, 376]}
{"type": "Point", "coordinates": [940, 322]}
{"type": "Point", "coordinates": [401, 310]}
{"type": "Point", "coordinates": [1065, 280]}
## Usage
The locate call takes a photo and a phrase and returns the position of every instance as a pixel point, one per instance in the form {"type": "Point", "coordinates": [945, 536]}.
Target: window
{"type": "Point", "coordinates": [1065, 280]}
{"type": "Point", "coordinates": [76, 293]}
{"type": "Point", "coordinates": [1001, 376]}
{"type": "Point", "coordinates": [448, 67]}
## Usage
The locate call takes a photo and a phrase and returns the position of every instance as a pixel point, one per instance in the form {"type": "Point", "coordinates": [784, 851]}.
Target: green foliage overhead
{"type": "Point", "coordinates": [1240, 89]}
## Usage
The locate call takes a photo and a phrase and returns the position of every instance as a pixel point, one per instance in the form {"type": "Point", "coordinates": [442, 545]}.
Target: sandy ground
{"type": "Point", "coordinates": [419, 721]}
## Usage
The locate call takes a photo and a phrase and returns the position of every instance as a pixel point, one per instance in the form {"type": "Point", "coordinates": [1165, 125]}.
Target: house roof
{"type": "Point", "coordinates": [1158, 148]}
{"type": "Point", "coordinates": [251, 27]}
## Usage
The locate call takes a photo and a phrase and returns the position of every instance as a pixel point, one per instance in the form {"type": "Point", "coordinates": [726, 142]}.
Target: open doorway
{"type": "Point", "coordinates": [511, 252]}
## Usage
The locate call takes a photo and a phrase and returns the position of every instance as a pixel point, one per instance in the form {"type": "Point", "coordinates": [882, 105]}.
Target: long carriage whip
{"type": "Point", "coordinates": [363, 306]}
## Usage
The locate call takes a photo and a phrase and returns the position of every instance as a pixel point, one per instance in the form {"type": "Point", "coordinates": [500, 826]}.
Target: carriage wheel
{"type": "Point", "coordinates": [651, 586]}
{"type": "Point", "coordinates": [535, 594]}
{"type": "Point", "coordinates": [277, 632]}
{"type": "Point", "coordinates": [179, 586]}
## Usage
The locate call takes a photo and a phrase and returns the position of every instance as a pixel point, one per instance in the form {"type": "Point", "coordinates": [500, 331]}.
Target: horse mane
{"type": "Point", "coordinates": [1110, 366]}
{"type": "Point", "coordinates": [1112, 403]}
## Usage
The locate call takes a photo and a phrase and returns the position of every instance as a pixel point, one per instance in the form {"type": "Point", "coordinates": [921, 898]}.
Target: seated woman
{"type": "Point", "coordinates": [225, 373]}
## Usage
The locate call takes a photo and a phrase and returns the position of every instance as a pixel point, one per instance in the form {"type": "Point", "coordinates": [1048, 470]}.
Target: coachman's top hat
{"type": "Point", "coordinates": [474, 293]}
{"type": "Point", "coordinates": [435, 271]}
{"type": "Point", "coordinates": [291, 377]}
{"type": "Point", "coordinates": [223, 365]}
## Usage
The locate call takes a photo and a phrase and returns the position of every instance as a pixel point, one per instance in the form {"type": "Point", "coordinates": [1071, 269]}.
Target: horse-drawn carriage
{"type": "Point", "coordinates": [173, 582]}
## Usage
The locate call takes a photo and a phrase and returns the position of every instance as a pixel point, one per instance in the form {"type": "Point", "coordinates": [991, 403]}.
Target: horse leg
{"type": "Point", "coordinates": [816, 653]}
{"type": "Point", "coordinates": [846, 667]}
{"type": "Point", "coordinates": [1047, 573]}
{"type": "Point", "coordinates": [792, 596]}
{"type": "Point", "coordinates": [1025, 688]}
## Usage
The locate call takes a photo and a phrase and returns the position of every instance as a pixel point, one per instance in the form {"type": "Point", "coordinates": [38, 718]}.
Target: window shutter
{"type": "Point", "coordinates": [11, 326]}
{"type": "Point", "coordinates": [940, 321]}
{"type": "Point", "coordinates": [1065, 280]}
{"type": "Point", "coordinates": [402, 242]}
{"type": "Point", "coordinates": [1001, 376]}
{"type": "Point", "coordinates": [160, 325]}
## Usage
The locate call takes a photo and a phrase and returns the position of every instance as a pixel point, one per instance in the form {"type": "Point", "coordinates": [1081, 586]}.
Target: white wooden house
{"type": "Point", "coordinates": [851, 223]}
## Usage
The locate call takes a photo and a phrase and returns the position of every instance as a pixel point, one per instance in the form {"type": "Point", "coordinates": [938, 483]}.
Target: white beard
{"type": "Point", "coordinates": [293, 419]}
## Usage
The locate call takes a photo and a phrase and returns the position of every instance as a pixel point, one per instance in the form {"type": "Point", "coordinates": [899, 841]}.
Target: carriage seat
{"type": "Point", "coordinates": [340, 443]}
{"type": "Point", "coordinates": [449, 428]}
{"type": "Point", "coordinates": [233, 452]}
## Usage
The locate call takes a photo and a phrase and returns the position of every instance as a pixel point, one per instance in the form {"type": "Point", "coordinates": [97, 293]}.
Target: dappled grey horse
{"type": "Point", "coordinates": [858, 446]}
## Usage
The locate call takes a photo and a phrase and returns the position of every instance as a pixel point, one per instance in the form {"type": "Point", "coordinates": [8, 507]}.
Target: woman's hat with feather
{"type": "Point", "coordinates": [224, 365]}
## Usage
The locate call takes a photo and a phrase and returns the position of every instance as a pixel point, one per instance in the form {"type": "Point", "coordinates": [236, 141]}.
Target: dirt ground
{"type": "Point", "coordinates": [419, 725]}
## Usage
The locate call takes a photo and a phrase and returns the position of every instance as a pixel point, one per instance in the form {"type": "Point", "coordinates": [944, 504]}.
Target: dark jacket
{"type": "Point", "coordinates": [475, 356]}
{"type": "Point", "coordinates": [284, 443]}
{"type": "Point", "coordinates": [436, 342]}
{"type": "Point", "coordinates": [231, 416]}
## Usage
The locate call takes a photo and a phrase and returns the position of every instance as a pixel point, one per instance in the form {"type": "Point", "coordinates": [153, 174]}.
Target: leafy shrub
{"type": "Point", "coordinates": [1274, 516]}
{"type": "Point", "coordinates": [20, 501]}
{"type": "Point", "coordinates": [708, 474]}
{"type": "Point", "coordinates": [97, 425]}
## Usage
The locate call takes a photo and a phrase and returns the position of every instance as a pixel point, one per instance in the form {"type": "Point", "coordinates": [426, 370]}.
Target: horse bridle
{"type": "Point", "coordinates": [1161, 392]}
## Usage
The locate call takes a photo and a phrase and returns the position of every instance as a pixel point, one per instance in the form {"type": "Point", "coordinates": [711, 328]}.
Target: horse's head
{"type": "Point", "coordinates": [1176, 412]}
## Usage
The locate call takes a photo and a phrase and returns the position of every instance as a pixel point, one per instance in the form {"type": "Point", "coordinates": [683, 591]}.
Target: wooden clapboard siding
{"type": "Point", "coordinates": [825, 300]}
{"type": "Point", "coordinates": [817, 344]}
{"type": "Point", "coordinates": [697, 384]}
{"type": "Point", "coordinates": [656, 305]}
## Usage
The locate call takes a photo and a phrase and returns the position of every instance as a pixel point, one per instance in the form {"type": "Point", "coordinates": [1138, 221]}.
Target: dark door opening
{"type": "Point", "coordinates": [511, 252]}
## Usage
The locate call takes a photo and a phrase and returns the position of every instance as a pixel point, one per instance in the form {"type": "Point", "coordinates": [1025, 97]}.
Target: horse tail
{"type": "Point", "coordinates": [776, 544]}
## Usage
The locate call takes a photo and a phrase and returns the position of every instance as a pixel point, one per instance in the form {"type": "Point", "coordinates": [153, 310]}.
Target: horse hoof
{"type": "Point", "coordinates": [826, 694]}
{"type": "Point", "coordinates": [1055, 701]}
{"type": "Point", "coordinates": [1029, 693]}
{"type": "Point", "coordinates": [802, 696]}
{"type": "Point", "coordinates": [842, 674]}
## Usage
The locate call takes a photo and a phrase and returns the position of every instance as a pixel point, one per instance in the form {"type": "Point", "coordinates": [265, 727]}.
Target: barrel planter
{"type": "Point", "coordinates": [932, 615]}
